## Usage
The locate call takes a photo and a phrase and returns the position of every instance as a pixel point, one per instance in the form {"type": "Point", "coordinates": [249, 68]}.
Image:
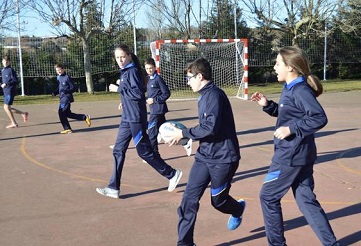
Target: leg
{"type": "Point", "coordinates": [276, 184]}
{"type": "Point", "coordinates": [197, 183]}
{"type": "Point", "coordinates": [8, 101]}
{"type": "Point", "coordinates": [9, 112]}
{"type": "Point", "coordinates": [75, 116]}
{"type": "Point", "coordinates": [311, 208]}
{"type": "Point", "coordinates": [145, 151]}
{"type": "Point", "coordinates": [63, 115]}
{"type": "Point", "coordinates": [221, 177]}
{"type": "Point", "coordinates": [155, 121]}
{"type": "Point", "coordinates": [119, 150]}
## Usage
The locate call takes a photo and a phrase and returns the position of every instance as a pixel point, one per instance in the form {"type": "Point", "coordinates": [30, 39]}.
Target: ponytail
{"type": "Point", "coordinates": [315, 83]}
{"type": "Point", "coordinates": [140, 69]}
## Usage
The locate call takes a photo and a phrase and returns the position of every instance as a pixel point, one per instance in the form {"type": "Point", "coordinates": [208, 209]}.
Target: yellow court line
{"type": "Point", "coordinates": [38, 163]}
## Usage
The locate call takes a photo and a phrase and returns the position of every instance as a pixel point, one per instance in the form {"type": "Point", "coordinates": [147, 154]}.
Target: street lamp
{"type": "Point", "coordinates": [19, 47]}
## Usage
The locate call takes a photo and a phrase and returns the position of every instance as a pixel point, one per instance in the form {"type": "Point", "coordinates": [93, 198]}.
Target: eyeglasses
{"type": "Point", "coordinates": [189, 77]}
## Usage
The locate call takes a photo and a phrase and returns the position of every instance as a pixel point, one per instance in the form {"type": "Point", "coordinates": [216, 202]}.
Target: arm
{"type": "Point", "coordinates": [269, 106]}
{"type": "Point", "coordinates": [209, 124]}
{"type": "Point", "coordinates": [314, 116]}
{"type": "Point", "coordinates": [165, 92]}
{"type": "Point", "coordinates": [135, 89]}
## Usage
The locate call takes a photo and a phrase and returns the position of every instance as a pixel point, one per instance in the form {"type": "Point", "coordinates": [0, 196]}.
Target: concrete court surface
{"type": "Point", "coordinates": [48, 180]}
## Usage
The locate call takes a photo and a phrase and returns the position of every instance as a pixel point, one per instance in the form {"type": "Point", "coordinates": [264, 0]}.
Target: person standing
{"type": "Point", "coordinates": [65, 91]}
{"type": "Point", "coordinates": [9, 85]}
{"type": "Point", "coordinates": [217, 157]}
{"type": "Point", "coordinates": [157, 95]}
{"type": "Point", "coordinates": [133, 125]}
{"type": "Point", "coordinates": [299, 116]}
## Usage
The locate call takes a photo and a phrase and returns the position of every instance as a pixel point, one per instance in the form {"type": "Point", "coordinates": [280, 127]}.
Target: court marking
{"type": "Point", "coordinates": [42, 165]}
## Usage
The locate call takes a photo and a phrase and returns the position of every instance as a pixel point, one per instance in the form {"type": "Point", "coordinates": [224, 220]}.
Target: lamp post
{"type": "Point", "coordinates": [325, 53]}
{"type": "Point", "coordinates": [19, 48]}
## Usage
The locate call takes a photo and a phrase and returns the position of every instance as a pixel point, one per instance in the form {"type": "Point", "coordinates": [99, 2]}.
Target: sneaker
{"type": "Point", "coordinates": [235, 222]}
{"type": "Point", "coordinates": [144, 161]}
{"type": "Point", "coordinates": [111, 146]}
{"type": "Point", "coordinates": [87, 120]}
{"type": "Point", "coordinates": [67, 131]}
{"type": "Point", "coordinates": [109, 192]}
{"type": "Point", "coordinates": [188, 147]}
{"type": "Point", "coordinates": [25, 116]}
{"type": "Point", "coordinates": [173, 182]}
{"type": "Point", "coordinates": [12, 126]}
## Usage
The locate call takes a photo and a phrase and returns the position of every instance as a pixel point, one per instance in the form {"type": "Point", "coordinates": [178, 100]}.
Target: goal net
{"type": "Point", "coordinates": [228, 58]}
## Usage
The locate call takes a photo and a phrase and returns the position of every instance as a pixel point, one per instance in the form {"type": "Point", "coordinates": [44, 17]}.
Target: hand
{"type": "Point", "coordinates": [282, 132]}
{"type": "Point", "coordinates": [260, 98]}
{"type": "Point", "coordinates": [176, 136]}
{"type": "Point", "coordinates": [150, 101]}
{"type": "Point", "coordinates": [113, 88]}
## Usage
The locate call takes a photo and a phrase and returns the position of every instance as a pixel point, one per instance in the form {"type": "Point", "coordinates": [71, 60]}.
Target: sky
{"type": "Point", "coordinates": [32, 26]}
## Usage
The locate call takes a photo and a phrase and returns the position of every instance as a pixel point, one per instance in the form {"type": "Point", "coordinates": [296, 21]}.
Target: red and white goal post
{"type": "Point", "coordinates": [228, 58]}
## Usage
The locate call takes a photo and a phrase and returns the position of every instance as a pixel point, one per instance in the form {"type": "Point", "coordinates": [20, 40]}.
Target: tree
{"type": "Point", "coordinates": [84, 19]}
{"type": "Point", "coordinates": [7, 10]}
{"type": "Point", "coordinates": [171, 15]}
{"type": "Point", "coordinates": [349, 17]}
{"type": "Point", "coordinates": [221, 22]}
{"type": "Point", "coordinates": [299, 19]}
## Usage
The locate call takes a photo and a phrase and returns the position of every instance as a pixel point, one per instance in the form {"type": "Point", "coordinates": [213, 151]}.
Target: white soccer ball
{"type": "Point", "coordinates": [168, 127]}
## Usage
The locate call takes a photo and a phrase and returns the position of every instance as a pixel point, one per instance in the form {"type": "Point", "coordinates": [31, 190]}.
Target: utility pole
{"type": "Point", "coordinates": [19, 47]}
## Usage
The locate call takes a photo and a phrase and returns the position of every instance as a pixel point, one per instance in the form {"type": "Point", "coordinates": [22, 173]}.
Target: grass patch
{"type": "Point", "coordinates": [269, 88]}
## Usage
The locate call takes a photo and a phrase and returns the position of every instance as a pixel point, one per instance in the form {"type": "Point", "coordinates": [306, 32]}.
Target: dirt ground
{"type": "Point", "coordinates": [48, 180]}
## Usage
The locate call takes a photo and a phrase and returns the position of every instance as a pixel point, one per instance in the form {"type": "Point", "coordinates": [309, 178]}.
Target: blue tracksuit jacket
{"type": "Point", "coordinates": [132, 95]}
{"type": "Point", "coordinates": [216, 130]}
{"type": "Point", "coordinates": [9, 78]}
{"type": "Point", "coordinates": [299, 109]}
{"type": "Point", "coordinates": [65, 89]}
{"type": "Point", "coordinates": [159, 91]}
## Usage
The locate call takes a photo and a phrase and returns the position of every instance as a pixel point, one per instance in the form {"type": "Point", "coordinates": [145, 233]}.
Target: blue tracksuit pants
{"type": "Point", "coordinates": [277, 182]}
{"type": "Point", "coordinates": [155, 121]}
{"type": "Point", "coordinates": [65, 113]}
{"type": "Point", "coordinates": [137, 131]}
{"type": "Point", "coordinates": [220, 176]}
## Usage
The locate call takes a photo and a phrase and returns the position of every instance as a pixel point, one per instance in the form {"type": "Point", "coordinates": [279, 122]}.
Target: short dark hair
{"type": "Point", "coordinates": [149, 61]}
{"type": "Point", "coordinates": [6, 58]}
{"type": "Point", "coordinates": [59, 65]}
{"type": "Point", "coordinates": [200, 65]}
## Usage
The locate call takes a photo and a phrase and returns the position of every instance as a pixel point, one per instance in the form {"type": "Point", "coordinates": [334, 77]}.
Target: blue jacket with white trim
{"type": "Point", "coordinates": [216, 131]}
{"type": "Point", "coordinates": [65, 89]}
{"type": "Point", "coordinates": [132, 95]}
{"type": "Point", "coordinates": [9, 78]}
{"type": "Point", "coordinates": [298, 109]}
{"type": "Point", "coordinates": [159, 91]}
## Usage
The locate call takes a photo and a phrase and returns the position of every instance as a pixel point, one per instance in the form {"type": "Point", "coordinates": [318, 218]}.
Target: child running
{"type": "Point", "coordinates": [9, 85]}
{"type": "Point", "coordinates": [65, 91]}
{"type": "Point", "coordinates": [299, 116]}
{"type": "Point", "coordinates": [133, 125]}
{"type": "Point", "coordinates": [217, 157]}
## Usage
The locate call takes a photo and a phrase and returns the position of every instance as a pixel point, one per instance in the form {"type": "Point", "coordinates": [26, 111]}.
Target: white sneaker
{"type": "Point", "coordinates": [109, 192]}
{"type": "Point", "coordinates": [111, 146]}
{"type": "Point", "coordinates": [188, 147]}
{"type": "Point", "coordinates": [144, 161]}
{"type": "Point", "coordinates": [173, 182]}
